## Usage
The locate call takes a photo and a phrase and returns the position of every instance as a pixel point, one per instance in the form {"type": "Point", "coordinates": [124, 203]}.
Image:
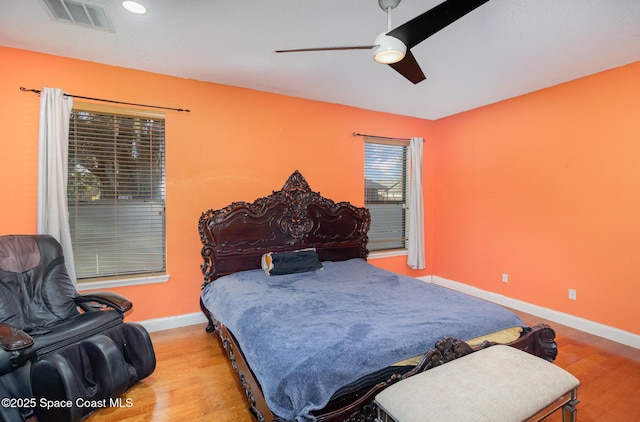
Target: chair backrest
{"type": "Point", "coordinates": [35, 289]}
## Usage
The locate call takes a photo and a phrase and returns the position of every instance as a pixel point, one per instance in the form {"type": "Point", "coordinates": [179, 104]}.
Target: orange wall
{"type": "Point", "coordinates": [543, 187]}
{"type": "Point", "coordinates": [236, 144]}
{"type": "Point", "coordinates": [546, 188]}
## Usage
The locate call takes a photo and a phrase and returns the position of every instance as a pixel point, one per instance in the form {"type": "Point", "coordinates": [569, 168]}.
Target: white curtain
{"type": "Point", "coordinates": [416, 259]}
{"type": "Point", "coordinates": [53, 147]}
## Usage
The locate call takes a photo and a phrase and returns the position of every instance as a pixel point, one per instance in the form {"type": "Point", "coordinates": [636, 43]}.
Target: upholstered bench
{"type": "Point", "coordinates": [497, 384]}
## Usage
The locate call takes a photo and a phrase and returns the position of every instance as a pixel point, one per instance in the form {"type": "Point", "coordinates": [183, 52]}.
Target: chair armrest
{"type": "Point", "coordinates": [12, 338]}
{"type": "Point", "coordinates": [106, 299]}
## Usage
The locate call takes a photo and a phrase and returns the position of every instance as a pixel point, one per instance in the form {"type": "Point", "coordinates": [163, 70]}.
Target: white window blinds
{"type": "Point", "coordinates": [386, 192]}
{"type": "Point", "coordinates": [116, 192]}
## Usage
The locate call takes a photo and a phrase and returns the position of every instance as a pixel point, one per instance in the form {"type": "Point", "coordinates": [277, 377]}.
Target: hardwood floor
{"type": "Point", "coordinates": [194, 381]}
{"type": "Point", "coordinates": [609, 374]}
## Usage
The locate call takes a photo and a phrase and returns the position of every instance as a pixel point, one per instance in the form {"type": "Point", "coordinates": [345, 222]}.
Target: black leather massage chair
{"type": "Point", "coordinates": [62, 354]}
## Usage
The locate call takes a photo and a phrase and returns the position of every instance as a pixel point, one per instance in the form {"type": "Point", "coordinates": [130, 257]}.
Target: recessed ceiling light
{"type": "Point", "coordinates": [134, 7]}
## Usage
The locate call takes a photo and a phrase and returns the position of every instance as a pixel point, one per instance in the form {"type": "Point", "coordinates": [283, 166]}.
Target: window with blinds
{"type": "Point", "coordinates": [386, 178]}
{"type": "Point", "coordinates": [116, 192]}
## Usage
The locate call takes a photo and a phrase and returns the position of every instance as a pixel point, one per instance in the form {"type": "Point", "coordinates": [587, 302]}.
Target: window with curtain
{"type": "Point", "coordinates": [386, 177]}
{"type": "Point", "coordinates": [116, 192]}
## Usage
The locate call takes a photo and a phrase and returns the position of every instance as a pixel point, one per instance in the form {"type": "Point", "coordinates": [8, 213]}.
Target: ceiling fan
{"type": "Point", "coordinates": [393, 46]}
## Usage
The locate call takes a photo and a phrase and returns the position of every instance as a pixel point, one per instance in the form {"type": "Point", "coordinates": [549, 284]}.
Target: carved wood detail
{"type": "Point", "coordinates": [240, 367]}
{"type": "Point", "coordinates": [235, 237]}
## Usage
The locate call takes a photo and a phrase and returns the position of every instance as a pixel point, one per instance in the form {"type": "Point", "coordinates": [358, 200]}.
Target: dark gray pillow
{"type": "Point", "coordinates": [300, 261]}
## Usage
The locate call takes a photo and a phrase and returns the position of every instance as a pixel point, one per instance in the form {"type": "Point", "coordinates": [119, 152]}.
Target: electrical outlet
{"type": "Point", "coordinates": [505, 278]}
{"type": "Point", "coordinates": [572, 294]}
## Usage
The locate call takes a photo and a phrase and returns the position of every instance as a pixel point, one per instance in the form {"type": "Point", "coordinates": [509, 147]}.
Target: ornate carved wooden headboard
{"type": "Point", "coordinates": [235, 237]}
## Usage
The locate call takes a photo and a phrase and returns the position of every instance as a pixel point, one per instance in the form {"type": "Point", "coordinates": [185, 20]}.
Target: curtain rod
{"type": "Point", "coordinates": [380, 137]}
{"type": "Point", "coordinates": [37, 91]}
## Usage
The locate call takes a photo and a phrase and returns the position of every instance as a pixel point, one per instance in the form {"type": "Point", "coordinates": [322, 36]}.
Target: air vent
{"type": "Point", "coordinates": [79, 13]}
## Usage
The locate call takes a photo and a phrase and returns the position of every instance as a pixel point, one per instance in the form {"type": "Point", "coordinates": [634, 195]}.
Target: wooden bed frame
{"type": "Point", "coordinates": [234, 239]}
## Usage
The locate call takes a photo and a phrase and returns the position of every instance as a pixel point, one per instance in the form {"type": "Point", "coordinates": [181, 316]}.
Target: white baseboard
{"type": "Point", "coordinates": [158, 324]}
{"type": "Point", "coordinates": [591, 327]}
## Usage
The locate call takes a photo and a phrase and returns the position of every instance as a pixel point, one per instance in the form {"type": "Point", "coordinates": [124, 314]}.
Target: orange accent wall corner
{"type": "Point", "coordinates": [546, 188]}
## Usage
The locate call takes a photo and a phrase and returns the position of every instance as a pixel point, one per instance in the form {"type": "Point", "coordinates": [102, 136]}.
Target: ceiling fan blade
{"type": "Point", "coordinates": [409, 68]}
{"type": "Point", "coordinates": [355, 47]}
{"type": "Point", "coordinates": [433, 20]}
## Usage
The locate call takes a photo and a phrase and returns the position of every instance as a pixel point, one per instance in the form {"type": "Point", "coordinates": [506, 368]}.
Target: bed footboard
{"type": "Point", "coordinates": [538, 340]}
{"type": "Point", "coordinates": [358, 407]}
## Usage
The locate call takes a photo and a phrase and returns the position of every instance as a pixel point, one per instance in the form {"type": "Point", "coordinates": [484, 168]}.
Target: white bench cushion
{"type": "Point", "coordinates": [497, 384]}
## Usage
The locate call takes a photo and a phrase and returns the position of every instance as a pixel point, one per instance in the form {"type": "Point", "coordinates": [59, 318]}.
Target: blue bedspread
{"type": "Point", "coordinates": [306, 335]}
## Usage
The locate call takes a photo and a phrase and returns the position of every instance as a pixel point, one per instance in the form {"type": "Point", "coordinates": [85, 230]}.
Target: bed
{"type": "Point", "coordinates": [318, 341]}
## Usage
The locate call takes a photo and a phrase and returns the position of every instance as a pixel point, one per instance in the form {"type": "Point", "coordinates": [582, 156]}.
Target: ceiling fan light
{"type": "Point", "coordinates": [388, 49]}
{"type": "Point", "coordinates": [134, 7]}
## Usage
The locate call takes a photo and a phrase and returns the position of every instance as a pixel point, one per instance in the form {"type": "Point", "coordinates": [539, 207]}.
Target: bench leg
{"type": "Point", "coordinates": [569, 411]}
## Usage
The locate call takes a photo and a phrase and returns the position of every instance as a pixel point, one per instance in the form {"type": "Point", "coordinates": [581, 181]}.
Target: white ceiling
{"type": "Point", "coordinates": [503, 49]}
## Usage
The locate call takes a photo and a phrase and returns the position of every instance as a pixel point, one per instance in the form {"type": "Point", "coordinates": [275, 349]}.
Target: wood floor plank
{"type": "Point", "coordinates": [194, 380]}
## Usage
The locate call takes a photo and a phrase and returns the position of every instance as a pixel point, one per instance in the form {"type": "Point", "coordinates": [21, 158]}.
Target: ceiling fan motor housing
{"type": "Point", "coordinates": [388, 49]}
{"type": "Point", "coordinates": [385, 4]}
